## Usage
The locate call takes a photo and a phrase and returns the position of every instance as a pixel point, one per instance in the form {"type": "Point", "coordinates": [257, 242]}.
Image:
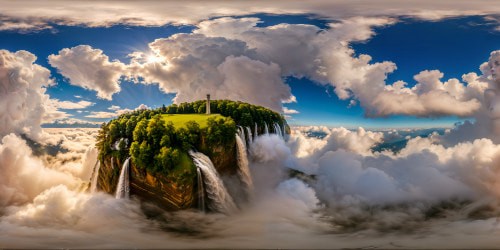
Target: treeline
{"type": "Point", "coordinates": [243, 114]}
{"type": "Point", "coordinates": [160, 147]}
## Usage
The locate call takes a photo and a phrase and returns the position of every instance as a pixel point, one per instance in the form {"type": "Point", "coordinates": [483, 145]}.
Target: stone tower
{"type": "Point", "coordinates": [208, 104]}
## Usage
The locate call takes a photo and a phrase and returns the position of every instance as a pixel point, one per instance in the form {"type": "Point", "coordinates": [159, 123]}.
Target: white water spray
{"type": "Point", "coordinates": [95, 177]}
{"type": "Point", "coordinates": [243, 168]}
{"type": "Point", "coordinates": [277, 130]}
{"type": "Point", "coordinates": [256, 132]}
{"type": "Point", "coordinates": [241, 133]}
{"type": "Point", "coordinates": [219, 198]}
{"type": "Point", "coordinates": [201, 191]}
{"type": "Point", "coordinates": [250, 137]}
{"type": "Point", "coordinates": [123, 187]}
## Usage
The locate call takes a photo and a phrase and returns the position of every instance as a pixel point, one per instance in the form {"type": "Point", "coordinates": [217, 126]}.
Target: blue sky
{"type": "Point", "coordinates": [455, 46]}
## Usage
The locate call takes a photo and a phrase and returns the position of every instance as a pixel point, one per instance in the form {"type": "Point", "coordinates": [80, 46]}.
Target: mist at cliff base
{"type": "Point", "coordinates": [429, 193]}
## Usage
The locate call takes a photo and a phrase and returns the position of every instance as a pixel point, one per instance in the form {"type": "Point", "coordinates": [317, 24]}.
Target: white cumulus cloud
{"type": "Point", "coordinates": [89, 68]}
{"type": "Point", "coordinates": [22, 94]}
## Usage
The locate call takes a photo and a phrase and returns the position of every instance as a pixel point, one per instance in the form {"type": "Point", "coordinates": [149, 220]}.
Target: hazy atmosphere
{"type": "Point", "coordinates": [329, 124]}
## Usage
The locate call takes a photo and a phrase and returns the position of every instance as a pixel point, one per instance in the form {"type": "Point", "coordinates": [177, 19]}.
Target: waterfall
{"type": "Point", "coordinates": [250, 138]}
{"type": "Point", "coordinates": [201, 191]}
{"type": "Point", "coordinates": [95, 177]}
{"type": "Point", "coordinates": [266, 129]}
{"type": "Point", "coordinates": [277, 130]}
{"type": "Point", "coordinates": [123, 188]}
{"type": "Point", "coordinates": [256, 133]}
{"type": "Point", "coordinates": [219, 198]}
{"type": "Point", "coordinates": [241, 133]}
{"type": "Point", "coordinates": [283, 131]}
{"type": "Point", "coordinates": [243, 169]}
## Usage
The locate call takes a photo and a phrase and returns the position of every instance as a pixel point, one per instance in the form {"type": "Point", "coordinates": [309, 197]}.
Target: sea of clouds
{"type": "Point", "coordinates": [351, 196]}
{"type": "Point", "coordinates": [441, 190]}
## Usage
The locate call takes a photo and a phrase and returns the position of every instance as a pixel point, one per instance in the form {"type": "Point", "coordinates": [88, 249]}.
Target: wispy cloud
{"type": "Point", "coordinates": [290, 111]}
{"type": "Point", "coordinates": [117, 112]}
{"type": "Point", "coordinates": [105, 114]}
{"type": "Point", "coordinates": [114, 107]}
{"type": "Point", "coordinates": [72, 105]}
{"type": "Point", "coordinates": [71, 122]}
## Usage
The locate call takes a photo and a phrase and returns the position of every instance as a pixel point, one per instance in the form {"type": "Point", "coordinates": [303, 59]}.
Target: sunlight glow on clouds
{"type": "Point", "coordinates": [233, 58]}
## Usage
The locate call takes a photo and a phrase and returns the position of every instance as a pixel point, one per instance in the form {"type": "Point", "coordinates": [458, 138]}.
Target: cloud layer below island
{"type": "Point", "coordinates": [443, 196]}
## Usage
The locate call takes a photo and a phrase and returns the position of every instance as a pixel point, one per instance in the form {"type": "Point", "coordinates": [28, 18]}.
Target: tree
{"type": "Point", "coordinates": [122, 147]}
{"type": "Point", "coordinates": [172, 109]}
{"type": "Point", "coordinates": [130, 126]}
{"type": "Point", "coordinates": [246, 119]}
{"type": "Point", "coordinates": [155, 131]}
{"type": "Point", "coordinates": [140, 133]}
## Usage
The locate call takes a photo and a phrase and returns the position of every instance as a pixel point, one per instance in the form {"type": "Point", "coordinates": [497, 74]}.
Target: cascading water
{"type": "Point", "coordinates": [277, 130]}
{"type": "Point", "coordinates": [95, 177]}
{"type": "Point", "coordinates": [241, 133]}
{"type": "Point", "coordinates": [201, 191]}
{"type": "Point", "coordinates": [243, 168]}
{"type": "Point", "coordinates": [219, 198]}
{"type": "Point", "coordinates": [112, 162]}
{"type": "Point", "coordinates": [283, 131]}
{"type": "Point", "coordinates": [250, 138]}
{"type": "Point", "coordinates": [266, 129]}
{"type": "Point", "coordinates": [256, 132]}
{"type": "Point", "coordinates": [123, 187]}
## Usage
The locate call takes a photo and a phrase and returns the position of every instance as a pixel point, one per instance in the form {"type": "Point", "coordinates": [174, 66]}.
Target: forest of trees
{"type": "Point", "coordinates": [243, 114]}
{"type": "Point", "coordinates": [159, 146]}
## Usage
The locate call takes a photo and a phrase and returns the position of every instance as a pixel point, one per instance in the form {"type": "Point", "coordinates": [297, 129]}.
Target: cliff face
{"type": "Point", "coordinates": [223, 157]}
{"type": "Point", "coordinates": [109, 174]}
{"type": "Point", "coordinates": [160, 190]}
{"type": "Point", "coordinates": [155, 188]}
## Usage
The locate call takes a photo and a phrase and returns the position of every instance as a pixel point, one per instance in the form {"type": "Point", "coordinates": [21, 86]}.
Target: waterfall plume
{"type": "Point", "coordinates": [219, 198]}
{"type": "Point", "coordinates": [95, 177]}
{"type": "Point", "coordinates": [123, 187]}
{"type": "Point", "coordinates": [201, 190]}
{"type": "Point", "coordinates": [243, 168]}
{"type": "Point", "coordinates": [256, 132]}
{"type": "Point", "coordinates": [249, 135]}
{"type": "Point", "coordinates": [277, 130]}
{"type": "Point", "coordinates": [241, 134]}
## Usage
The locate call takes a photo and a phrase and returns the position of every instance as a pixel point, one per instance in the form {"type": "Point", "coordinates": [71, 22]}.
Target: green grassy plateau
{"type": "Point", "coordinates": [179, 120]}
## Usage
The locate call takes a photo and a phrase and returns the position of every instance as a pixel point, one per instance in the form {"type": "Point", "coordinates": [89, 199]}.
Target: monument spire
{"type": "Point", "coordinates": [208, 104]}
